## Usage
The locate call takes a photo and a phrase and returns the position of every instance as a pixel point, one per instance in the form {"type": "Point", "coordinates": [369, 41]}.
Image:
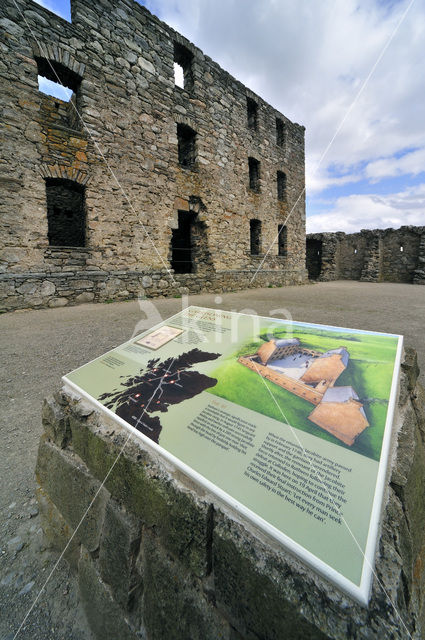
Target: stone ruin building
{"type": "Point", "coordinates": [378, 255]}
{"type": "Point", "coordinates": [157, 188]}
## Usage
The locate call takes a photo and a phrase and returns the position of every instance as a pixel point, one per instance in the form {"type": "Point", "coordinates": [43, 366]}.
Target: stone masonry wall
{"type": "Point", "coordinates": [157, 557]}
{"type": "Point", "coordinates": [379, 255]}
{"type": "Point", "coordinates": [119, 60]}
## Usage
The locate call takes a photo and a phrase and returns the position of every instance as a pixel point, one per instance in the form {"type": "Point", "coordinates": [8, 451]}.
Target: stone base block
{"type": "Point", "coordinates": [162, 559]}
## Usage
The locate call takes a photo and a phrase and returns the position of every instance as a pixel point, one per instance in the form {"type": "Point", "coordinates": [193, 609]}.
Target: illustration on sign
{"type": "Point", "coordinates": [290, 422]}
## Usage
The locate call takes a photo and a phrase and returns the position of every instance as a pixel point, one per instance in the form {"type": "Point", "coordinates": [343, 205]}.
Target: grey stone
{"type": "Point", "coordinates": [57, 532]}
{"type": "Point", "coordinates": [172, 605]}
{"type": "Point", "coordinates": [47, 288]}
{"type": "Point", "coordinates": [58, 302]}
{"type": "Point", "coordinates": [84, 297]}
{"type": "Point", "coordinates": [79, 497]}
{"type": "Point", "coordinates": [15, 545]}
{"type": "Point", "coordinates": [120, 541]}
{"type": "Point", "coordinates": [27, 588]}
{"type": "Point", "coordinates": [55, 422]}
{"type": "Point", "coordinates": [105, 616]}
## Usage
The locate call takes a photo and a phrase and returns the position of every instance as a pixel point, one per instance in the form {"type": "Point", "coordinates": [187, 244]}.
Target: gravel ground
{"type": "Point", "coordinates": [38, 347]}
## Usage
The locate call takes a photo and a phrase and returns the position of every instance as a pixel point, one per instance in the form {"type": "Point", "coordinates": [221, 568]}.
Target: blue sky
{"type": "Point", "coordinates": [311, 60]}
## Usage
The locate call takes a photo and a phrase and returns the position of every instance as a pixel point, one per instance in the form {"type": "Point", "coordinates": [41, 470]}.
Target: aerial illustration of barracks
{"type": "Point", "coordinates": [312, 375]}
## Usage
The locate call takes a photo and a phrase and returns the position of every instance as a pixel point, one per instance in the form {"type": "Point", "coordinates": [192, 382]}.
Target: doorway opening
{"type": "Point", "coordinates": [314, 258]}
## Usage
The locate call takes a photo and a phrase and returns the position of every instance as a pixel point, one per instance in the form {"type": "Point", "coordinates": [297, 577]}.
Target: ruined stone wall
{"type": "Point", "coordinates": [119, 60]}
{"type": "Point", "coordinates": [157, 557]}
{"type": "Point", "coordinates": [379, 255]}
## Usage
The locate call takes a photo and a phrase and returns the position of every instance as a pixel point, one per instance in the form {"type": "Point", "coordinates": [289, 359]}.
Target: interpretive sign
{"type": "Point", "coordinates": [290, 423]}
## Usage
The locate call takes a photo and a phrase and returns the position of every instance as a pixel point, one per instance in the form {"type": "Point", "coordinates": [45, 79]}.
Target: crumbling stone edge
{"type": "Point", "coordinates": [157, 557]}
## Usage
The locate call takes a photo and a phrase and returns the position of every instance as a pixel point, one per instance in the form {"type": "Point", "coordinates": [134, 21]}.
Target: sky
{"type": "Point", "coordinates": [352, 72]}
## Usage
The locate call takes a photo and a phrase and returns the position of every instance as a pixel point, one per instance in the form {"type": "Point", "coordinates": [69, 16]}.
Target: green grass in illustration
{"type": "Point", "coordinates": [369, 372]}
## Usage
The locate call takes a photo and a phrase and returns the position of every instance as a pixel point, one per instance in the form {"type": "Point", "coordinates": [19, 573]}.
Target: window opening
{"type": "Point", "coordinates": [54, 89]}
{"type": "Point", "coordinates": [282, 239]}
{"type": "Point", "coordinates": [280, 132]}
{"type": "Point", "coordinates": [66, 218]}
{"type": "Point", "coordinates": [252, 112]}
{"type": "Point", "coordinates": [63, 88]}
{"type": "Point", "coordinates": [254, 174]}
{"type": "Point", "coordinates": [178, 75]}
{"type": "Point", "coordinates": [183, 59]}
{"type": "Point", "coordinates": [281, 186]}
{"type": "Point", "coordinates": [255, 236]}
{"type": "Point", "coordinates": [186, 138]}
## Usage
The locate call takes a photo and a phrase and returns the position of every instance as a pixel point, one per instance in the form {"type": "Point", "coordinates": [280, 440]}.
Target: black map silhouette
{"type": "Point", "coordinates": [162, 384]}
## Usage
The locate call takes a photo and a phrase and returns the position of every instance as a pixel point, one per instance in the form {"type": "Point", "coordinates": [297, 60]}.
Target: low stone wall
{"type": "Point", "coordinates": [378, 255]}
{"type": "Point", "coordinates": [158, 558]}
{"type": "Point", "coordinates": [58, 289]}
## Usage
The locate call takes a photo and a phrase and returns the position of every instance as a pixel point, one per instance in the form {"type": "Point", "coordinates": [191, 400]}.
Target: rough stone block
{"type": "Point", "coordinates": [119, 545]}
{"type": "Point", "coordinates": [418, 402]}
{"type": "Point", "coordinates": [84, 297]}
{"type": "Point", "coordinates": [104, 615]}
{"type": "Point", "coordinates": [410, 367]}
{"type": "Point", "coordinates": [255, 603]}
{"type": "Point", "coordinates": [58, 302]}
{"type": "Point", "coordinates": [181, 521]}
{"type": "Point", "coordinates": [57, 531]}
{"type": "Point", "coordinates": [408, 478]}
{"type": "Point", "coordinates": [72, 489]}
{"type": "Point", "coordinates": [55, 422]}
{"type": "Point", "coordinates": [174, 606]}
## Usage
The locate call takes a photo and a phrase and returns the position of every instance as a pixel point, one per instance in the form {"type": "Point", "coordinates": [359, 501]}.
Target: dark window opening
{"type": "Point", "coordinates": [254, 174]}
{"type": "Point", "coordinates": [280, 132]}
{"type": "Point", "coordinates": [314, 258]}
{"type": "Point", "coordinates": [186, 145]}
{"type": "Point", "coordinates": [252, 112]}
{"type": "Point", "coordinates": [66, 217]}
{"type": "Point", "coordinates": [255, 236]}
{"type": "Point", "coordinates": [183, 59]}
{"type": "Point", "coordinates": [282, 239]}
{"type": "Point", "coordinates": [63, 87]}
{"type": "Point", "coordinates": [178, 75]}
{"type": "Point", "coordinates": [281, 186]}
{"type": "Point", "coordinates": [181, 243]}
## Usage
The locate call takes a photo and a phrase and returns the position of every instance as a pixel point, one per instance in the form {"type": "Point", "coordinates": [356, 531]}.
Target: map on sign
{"type": "Point", "coordinates": [288, 422]}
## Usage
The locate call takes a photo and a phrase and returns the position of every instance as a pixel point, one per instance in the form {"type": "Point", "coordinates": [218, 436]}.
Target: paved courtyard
{"type": "Point", "coordinates": [38, 347]}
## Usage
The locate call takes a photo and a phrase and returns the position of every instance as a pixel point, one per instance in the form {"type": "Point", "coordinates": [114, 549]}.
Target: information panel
{"type": "Point", "coordinates": [290, 423]}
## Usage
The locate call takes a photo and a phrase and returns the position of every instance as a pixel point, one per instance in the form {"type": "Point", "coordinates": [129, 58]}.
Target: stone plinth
{"type": "Point", "coordinates": [158, 557]}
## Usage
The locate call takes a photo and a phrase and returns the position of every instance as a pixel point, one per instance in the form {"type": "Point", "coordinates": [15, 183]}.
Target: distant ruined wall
{"type": "Point", "coordinates": [379, 255]}
{"type": "Point", "coordinates": [118, 59]}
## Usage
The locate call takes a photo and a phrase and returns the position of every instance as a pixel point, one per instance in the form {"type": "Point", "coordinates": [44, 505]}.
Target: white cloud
{"type": "Point", "coordinates": [54, 89]}
{"type": "Point", "coordinates": [371, 211]}
{"type": "Point", "coordinates": [411, 163]}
